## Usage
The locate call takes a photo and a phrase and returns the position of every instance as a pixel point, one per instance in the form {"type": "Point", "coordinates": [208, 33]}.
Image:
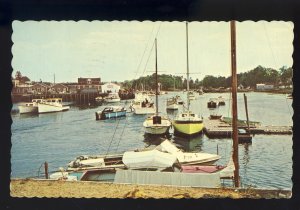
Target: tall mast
{"type": "Point", "coordinates": [235, 155]}
{"type": "Point", "coordinates": [187, 67]}
{"type": "Point", "coordinates": [156, 78]}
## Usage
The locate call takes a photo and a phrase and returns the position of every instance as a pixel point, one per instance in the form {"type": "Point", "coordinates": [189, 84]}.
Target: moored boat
{"type": "Point", "coordinates": [111, 112]}
{"type": "Point", "coordinates": [172, 103]}
{"type": "Point", "coordinates": [156, 125]}
{"type": "Point", "coordinates": [221, 101]}
{"type": "Point", "coordinates": [212, 103]}
{"type": "Point", "coordinates": [51, 105]}
{"type": "Point", "coordinates": [179, 101]}
{"type": "Point", "coordinates": [191, 95]}
{"type": "Point", "coordinates": [187, 122]}
{"type": "Point", "coordinates": [188, 158]}
{"type": "Point", "coordinates": [142, 104]}
{"type": "Point", "coordinates": [29, 107]}
{"type": "Point", "coordinates": [112, 98]}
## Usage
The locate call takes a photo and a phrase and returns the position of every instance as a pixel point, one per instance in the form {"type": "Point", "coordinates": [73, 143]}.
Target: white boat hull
{"type": "Point", "coordinates": [114, 100]}
{"type": "Point", "coordinates": [172, 107]}
{"type": "Point", "coordinates": [46, 108]}
{"type": "Point", "coordinates": [157, 130]}
{"type": "Point", "coordinates": [23, 109]}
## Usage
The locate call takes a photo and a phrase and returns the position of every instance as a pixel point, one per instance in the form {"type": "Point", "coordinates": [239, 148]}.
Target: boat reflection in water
{"type": "Point", "coordinates": [155, 140]}
{"type": "Point", "coordinates": [193, 143]}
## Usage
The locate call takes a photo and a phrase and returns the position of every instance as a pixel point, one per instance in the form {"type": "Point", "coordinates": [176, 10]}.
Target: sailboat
{"type": "Point", "coordinates": [187, 122]}
{"type": "Point", "coordinates": [156, 124]}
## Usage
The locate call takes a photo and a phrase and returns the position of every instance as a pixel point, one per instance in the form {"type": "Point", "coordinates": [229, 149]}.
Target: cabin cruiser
{"type": "Point", "coordinates": [142, 104]}
{"type": "Point", "coordinates": [51, 105]}
{"type": "Point", "coordinates": [111, 112]}
{"type": "Point", "coordinates": [30, 107]}
{"type": "Point", "coordinates": [172, 103]}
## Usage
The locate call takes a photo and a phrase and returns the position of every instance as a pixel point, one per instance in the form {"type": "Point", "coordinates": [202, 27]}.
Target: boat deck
{"type": "Point", "coordinates": [215, 128]}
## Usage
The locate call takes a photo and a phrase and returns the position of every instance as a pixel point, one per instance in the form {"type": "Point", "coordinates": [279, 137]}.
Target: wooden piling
{"type": "Point", "coordinates": [46, 170]}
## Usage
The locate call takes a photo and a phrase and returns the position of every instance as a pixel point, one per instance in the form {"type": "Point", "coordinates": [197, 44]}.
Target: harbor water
{"type": "Point", "coordinates": [60, 137]}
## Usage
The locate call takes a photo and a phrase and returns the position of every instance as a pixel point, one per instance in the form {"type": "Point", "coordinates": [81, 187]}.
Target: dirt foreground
{"type": "Point", "coordinates": [84, 189]}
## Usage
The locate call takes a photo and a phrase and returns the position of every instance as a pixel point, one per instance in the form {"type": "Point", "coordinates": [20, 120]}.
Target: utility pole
{"type": "Point", "coordinates": [235, 154]}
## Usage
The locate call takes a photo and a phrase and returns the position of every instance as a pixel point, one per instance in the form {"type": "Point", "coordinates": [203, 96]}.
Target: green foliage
{"type": "Point", "coordinates": [260, 74]}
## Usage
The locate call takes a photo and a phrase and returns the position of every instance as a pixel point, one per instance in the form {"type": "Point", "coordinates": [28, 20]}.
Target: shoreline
{"type": "Point", "coordinates": [86, 189]}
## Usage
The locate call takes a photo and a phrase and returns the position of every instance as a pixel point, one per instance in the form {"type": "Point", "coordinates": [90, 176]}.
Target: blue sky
{"type": "Point", "coordinates": [122, 50]}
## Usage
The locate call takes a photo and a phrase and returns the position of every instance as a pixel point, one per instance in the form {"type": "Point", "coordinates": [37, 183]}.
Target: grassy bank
{"type": "Point", "coordinates": [68, 189]}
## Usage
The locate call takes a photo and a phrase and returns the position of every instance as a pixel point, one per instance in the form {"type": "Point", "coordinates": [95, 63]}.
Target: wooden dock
{"type": "Point", "coordinates": [220, 129]}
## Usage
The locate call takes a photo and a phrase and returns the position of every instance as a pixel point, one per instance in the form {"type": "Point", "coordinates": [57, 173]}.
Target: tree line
{"type": "Point", "coordinates": [260, 74]}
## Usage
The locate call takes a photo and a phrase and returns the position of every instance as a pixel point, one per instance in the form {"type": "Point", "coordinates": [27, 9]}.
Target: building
{"type": "Point", "coordinates": [89, 81]}
{"type": "Point", "coordinates": [110, 88]}
{"type": "Point", "coordinates": [60, 88]}
{"type": "Point", "coordinates": [264, 87]}
{"type": "Point", "coordinates": [87, 85]}
{"type": "Point", "coordinates": [40, 88]}
{"type": "Point", "coordinates": [22, 89]}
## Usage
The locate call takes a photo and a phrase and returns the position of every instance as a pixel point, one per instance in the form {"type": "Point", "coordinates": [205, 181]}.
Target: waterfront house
{"type": "Point", "coordinates": [40, 88]}
{"type": "Point", "coordinates": [60, 88]}
{"type": "Point", "coordinates": [110, 88]}
{"type": "Point", "coordinates": [22, 89]}
{"type": "Point", "coordinates": [94, 84]}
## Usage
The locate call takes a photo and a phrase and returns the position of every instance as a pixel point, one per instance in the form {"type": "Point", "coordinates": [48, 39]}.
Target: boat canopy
{"type": "Point", "coordinates": [167, 146]}
{"type": "Point", "coordinates": [148, 159]}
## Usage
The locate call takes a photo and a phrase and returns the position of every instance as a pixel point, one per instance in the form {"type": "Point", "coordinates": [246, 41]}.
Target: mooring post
{"type": "Point", "coordinates": [46, 170]}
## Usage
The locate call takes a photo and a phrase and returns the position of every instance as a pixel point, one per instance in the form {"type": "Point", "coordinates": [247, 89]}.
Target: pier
{"type": "Point", "coordinates": [85, 189]}
{"type": "Point", "coordinates": [220, 129]}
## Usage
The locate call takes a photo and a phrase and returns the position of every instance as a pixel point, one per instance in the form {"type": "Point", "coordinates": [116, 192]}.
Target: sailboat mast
{"type": "Point", "coordinates": [187, 67]}
{"type": "Point", "coordinates": [235, 154]}
{"type": "Point", "coordinates": [156, 78]}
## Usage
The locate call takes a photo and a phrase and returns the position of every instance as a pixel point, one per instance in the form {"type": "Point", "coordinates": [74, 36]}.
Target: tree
{"type": "Point", "coordinates": [18, 75]}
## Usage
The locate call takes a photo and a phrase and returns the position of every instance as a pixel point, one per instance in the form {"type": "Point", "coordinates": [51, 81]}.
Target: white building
{"type": "Point", "coordinates": [110, 88]}
{"type": "Point", "coordinates": [264, 87]}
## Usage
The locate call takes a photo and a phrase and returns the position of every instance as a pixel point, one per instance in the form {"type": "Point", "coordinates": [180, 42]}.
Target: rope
{"type": "Point", "coordinates": [112, 137]}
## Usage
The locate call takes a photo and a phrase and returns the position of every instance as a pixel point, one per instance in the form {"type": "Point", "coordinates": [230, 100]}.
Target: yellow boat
{"type": "Point", "coordinates": [188, 123]}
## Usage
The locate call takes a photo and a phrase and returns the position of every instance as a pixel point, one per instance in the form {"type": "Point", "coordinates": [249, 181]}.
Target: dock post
{"type": "Point", "coordinates": [46, 170]}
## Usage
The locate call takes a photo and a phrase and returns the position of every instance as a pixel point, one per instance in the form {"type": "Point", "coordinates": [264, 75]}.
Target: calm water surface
{"type": "Point", "coordinates": [60, 137]}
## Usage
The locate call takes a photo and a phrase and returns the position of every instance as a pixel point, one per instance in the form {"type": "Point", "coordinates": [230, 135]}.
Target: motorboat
{"type": "Point", "coordinates": [142, 104]}
{"type": "Point", "coordinates": [188, 158]}
{"type": "Point", "coordinates": [84, 162]}
{"type": "Point", "coordinates": [30, 107]}
{"type": "Point", "coordinates": [221, 101]}
{"type": "Point", "coordinates": [191, 95]}
{"type": "Point", "coordinates": [111, 112]}
{"type": "Point", "coordinates": [179, 101]}
{"type": "Point", "coordinates": [51, 105]}
{"type": "Point", "coordinates": [212, 103]}
{"type": "Point", "coordinates": [172, 103]}
{"type": "Point", "coordinates": [112, 98]}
